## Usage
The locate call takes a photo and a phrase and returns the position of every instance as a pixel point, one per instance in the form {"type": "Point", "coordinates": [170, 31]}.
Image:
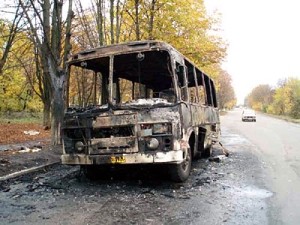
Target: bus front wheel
{"type": "Point", "coordinates": [180, 172]}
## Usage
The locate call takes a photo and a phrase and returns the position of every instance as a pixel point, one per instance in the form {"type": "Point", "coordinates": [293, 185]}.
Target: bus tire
{"type": "Point", "coordinates": [180, 172]}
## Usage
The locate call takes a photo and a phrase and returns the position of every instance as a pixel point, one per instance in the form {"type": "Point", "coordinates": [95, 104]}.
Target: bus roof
{"type": "Point", "coordinates": [131, 47]}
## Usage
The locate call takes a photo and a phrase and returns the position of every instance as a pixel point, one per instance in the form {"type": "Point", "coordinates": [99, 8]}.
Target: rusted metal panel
{"type": "Point", "coordinates": [135, 158]}
{"type": "Point", "coordinates": [122, 48]}
{"type": "Point", "coordinates": [115, 120]}
{"type": "Point", "coordinates": [113, 145]}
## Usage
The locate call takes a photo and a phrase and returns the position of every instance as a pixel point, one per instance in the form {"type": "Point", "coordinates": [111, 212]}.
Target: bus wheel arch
{"type": "Point", "coordinates": [193, 144]}
{"type": "Point", "coordinates": [204, 145]}
{"type": "Point", "coordinates": [180, 172]}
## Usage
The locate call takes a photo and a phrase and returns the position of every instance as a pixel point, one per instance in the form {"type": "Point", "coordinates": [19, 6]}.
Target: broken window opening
{"type": "Point", "coordinates": [200, 87]}
{"type": "Point", "coordinates": [182, 82]}
{"type": "Point", "coordinates": [84, 86]}
{"type": "Point", "coordinates": [124, 78]}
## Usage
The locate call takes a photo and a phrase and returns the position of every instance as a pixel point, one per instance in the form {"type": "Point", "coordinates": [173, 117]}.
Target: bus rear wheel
{"type": "Point", "coordinates": [180, 172]}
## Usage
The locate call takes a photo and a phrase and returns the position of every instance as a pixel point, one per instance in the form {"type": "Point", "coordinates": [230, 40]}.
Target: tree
{"type": "Point", "coordinates": [184, 24]}
{"type": "Point", "coordinates": [16, 93]}
{"type": "Point", "coordinates": [286, 100]}
{"type": "Point", "coordinates": [9, 36]}
{"type": "Point", "coordinates": [52, 53]}
{"type": "Point", "coordinates": [225, 91]}
{"type": "Point", "coordinates": [260, 97]}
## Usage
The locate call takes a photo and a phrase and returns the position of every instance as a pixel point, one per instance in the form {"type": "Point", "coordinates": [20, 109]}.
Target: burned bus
{"type": "Point", "coordinates": [148, 104]}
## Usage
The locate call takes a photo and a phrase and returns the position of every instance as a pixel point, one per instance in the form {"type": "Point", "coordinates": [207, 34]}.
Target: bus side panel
{"type": "Point", "coordinates": [186, 119]}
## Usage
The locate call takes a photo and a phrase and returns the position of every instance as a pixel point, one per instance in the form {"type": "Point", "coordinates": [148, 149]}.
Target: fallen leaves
{"type": "Point", "coordinates": [21, 132]}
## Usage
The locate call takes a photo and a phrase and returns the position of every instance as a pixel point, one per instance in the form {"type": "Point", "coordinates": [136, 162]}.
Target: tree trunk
{"type": "Point", "coordinates": [67, 89]}
{"type": "Point", "coordinates": [44, 50]}
{"type": "Point", "coordinates": [118, 22]}
{"type": "Point", "coordinates": [67, 50]}
{"type": "Point", "coordinates": [2, 62]}
{"type": "Point", "coordinates": [57, 104]}
{"type": "Point", "coordinates": [58, 75]}
{"type": "Point", "coordinates": [137, 23]}
{"type": "Point", "coordinates": [99, 19]}
{"type": "Point", "coordinates": [57, 116]}
{"type": "Point", "coordinates": [46, 96]}
{"type": "Point", "coordinates": [112, 34]}
{"type": "Point", "coordinates": [151, 22]}
{"type": "Point", "coordinates": [46, 115]}
{"type": "Point", "coordinates": [49, 44]}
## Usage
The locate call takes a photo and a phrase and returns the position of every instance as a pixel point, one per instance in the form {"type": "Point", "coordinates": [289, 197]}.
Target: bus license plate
{"type": "Point", "coordinates": [117, 159]}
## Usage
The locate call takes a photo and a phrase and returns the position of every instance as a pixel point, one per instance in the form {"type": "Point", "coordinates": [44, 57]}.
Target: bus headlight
{"type": "Point", "coordinates": [79, 146]}
{"type": "Point", "coordinates": [152, 143]}
{"type": "Point", "coordinates": [162, 128]}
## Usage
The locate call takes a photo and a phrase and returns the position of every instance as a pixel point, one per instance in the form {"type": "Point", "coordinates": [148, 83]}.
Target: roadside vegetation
{"type": "Point", "coordinates": [21, 117]}
{"type": "Point", "coordinates": [36, 39]}
{"type": "Point", "coordinates": [282, 100]}
{"type": "Point", "coordinates": [286, 118]}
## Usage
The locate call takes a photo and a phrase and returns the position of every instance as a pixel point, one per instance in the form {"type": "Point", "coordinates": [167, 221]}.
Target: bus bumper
{"type": "Point", "coordinates": [133, 158]}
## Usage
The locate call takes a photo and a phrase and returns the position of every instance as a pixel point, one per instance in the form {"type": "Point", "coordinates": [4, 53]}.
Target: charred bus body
{"type": "Point", "coordinates": [150, 105]}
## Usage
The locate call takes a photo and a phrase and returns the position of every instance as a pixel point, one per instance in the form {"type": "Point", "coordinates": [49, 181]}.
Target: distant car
{"type": "Point", "coordinates": [249, 115]}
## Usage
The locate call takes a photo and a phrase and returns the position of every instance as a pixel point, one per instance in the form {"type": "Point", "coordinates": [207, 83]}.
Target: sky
{"type": "Point", "coordinates": [263, 38]}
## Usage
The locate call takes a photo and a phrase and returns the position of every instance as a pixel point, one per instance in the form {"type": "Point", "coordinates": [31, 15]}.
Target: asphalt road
{"type": "Point", "coordinates": [277, 145]}
{"type": "Point", "coordinates": [257, 184]}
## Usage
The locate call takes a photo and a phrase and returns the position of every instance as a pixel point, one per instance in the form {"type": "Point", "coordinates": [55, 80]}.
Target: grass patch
{"type": "Point", "coordinates": [289, 119]}
{"type": "Point", "coordinates": [21, 117]}
{"type": "Point", "coordinates": [286, 118]}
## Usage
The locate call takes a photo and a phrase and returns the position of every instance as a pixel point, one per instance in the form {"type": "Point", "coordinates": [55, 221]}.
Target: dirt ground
{"type": "Point", "coordinates": [11, 133]}
{"type": "Point", "coordinates": [23, 146]}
